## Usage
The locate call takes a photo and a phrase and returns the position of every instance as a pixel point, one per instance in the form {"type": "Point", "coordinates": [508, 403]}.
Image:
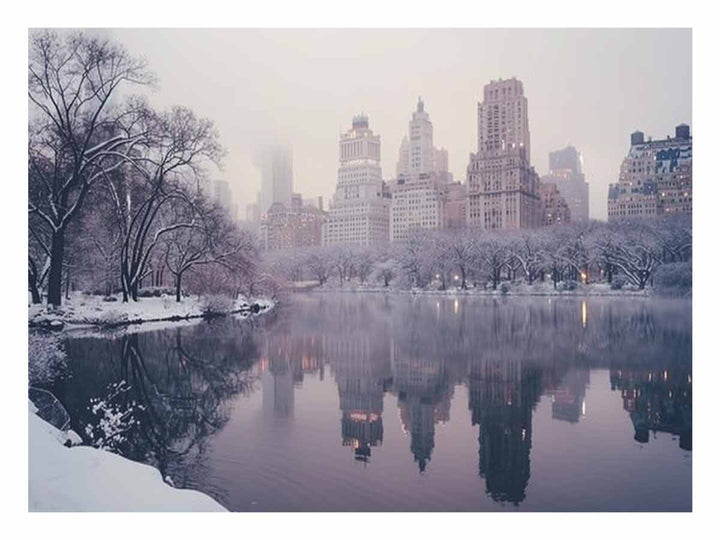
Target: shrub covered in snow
{"type": "Point", "coordinates": [214, 304]}
{"type": "Point", "coordinates": [110, 318]}
{"type": "Point", "coordinates": [568, 285]}
{"type": "Point", "coordinates": [157, 292]}
{"type": "Point", "coordinates": [46, 358]}
{"type": "Point", "coordinates": [674, 278]}
{"type": "Point", "coordinates": [617, 283]}
{"type": "Point", "coordinates": [114, 417]}
{"type": "Point", "coordinates": [505, 287]}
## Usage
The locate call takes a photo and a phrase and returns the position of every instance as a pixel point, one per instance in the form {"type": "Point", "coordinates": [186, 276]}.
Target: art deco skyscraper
{"type": "Point", "coordinates": [418, 191]}
{"type": "Point", "coordinates": [359, 211]}
{"type": "Point", "coordinates": [502, 185]}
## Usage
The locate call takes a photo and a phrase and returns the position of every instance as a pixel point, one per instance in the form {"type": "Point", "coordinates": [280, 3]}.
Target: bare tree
{"type": "Point", "coordinates": [167, 172]}
{"type": "Point", "coordinates": [74, 139]}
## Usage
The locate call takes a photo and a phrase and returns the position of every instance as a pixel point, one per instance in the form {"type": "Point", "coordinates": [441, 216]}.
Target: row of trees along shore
{"type": "Point", "coordinates": [118, 191]}
{"type": "Point", "coordinates": [623, 252]}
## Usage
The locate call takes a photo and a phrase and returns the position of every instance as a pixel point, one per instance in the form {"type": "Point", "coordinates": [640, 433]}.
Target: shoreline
{"type": "Point", "coordinates": [580, 292]}
{"type": "Point", "coordinates": [86, 479]}
{"type": "Point", "coordinates": [92, 314]}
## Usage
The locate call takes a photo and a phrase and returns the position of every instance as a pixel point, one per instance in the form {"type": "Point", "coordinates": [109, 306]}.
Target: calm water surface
{"type": "Point", "coordinates": [372, 402]}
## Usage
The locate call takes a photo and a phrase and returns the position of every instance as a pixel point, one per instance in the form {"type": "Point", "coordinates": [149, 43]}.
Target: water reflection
{"type": "Point", "coordinates": [507, 355]}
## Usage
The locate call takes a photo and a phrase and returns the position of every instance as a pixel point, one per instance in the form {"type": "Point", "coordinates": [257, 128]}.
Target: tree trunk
{"type": "Point", "coordinates": [178, 284]}
{"type": "Point", "coordinates": [67, 284]}
{"type": "Point", "coordinates": [36, 298]}
{"type": "Point", "coordinates": [57, 254]}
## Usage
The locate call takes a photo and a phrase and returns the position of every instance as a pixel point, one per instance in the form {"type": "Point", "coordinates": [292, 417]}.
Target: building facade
{"type": "Point", "coordinates": [503, 188]}
{"type": "Point", "coordinates": [418, 191]}
{"type": "Point", "coordinates": [555, 208]}
{"type": "Point", "coordinates": [655, 177]}
{"type": "Point", "coordinates": [359, 212]}
{"type": "Point", "coordinates": [566, 172]}
{"type": "Point", "coordinates": [291, 227]}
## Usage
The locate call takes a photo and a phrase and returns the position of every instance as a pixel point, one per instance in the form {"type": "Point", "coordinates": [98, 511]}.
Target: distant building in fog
{"type": "Point", "coordinates": [555, 208]}
{"type": "Point", "coordinates": [503, 187]}
{"type": "Point", "coordinates": [252, 213]}
{"type": "Point", "coordinates": [359, 212]}
{"type": "Point", "coordinates": [655, 177]}
{"type": "Point", "coordinates": [566, 172]}
{"type": "Point", "coordinates": [276, 169]}
{"type": "Point", "coordinates": [292, 227]}
{"type": "Point", "coordinates": [223, 194]}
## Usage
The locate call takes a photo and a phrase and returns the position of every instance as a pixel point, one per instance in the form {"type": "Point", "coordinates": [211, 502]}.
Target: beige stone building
{"type": "Point", "coordinates": [359, 212]}
{"type": "Point", "coordinates": [503, 188]}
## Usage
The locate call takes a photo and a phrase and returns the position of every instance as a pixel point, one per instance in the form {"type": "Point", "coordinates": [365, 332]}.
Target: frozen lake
{"type": "Point", "coordinates": [372, 402]}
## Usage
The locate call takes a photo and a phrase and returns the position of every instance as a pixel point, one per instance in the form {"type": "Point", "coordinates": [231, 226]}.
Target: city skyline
{"type": "Point", "coordinates": [603, 93]}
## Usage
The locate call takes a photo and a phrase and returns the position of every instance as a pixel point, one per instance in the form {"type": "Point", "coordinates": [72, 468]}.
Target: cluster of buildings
{"type": "Point", "coordinates": [502, 189]}
{"type": "Point", "coordinates": [655, 177]}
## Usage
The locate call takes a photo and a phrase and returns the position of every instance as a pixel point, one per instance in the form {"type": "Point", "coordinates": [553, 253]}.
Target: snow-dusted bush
{"type": "Point", "coordinates": [214, 304]}
{"type": "Point", "coordinates": [156, 292]}
{"type": "Point", "coordinates": [114, 416]}
{"type": "Point", "coordinates": [674, 278]}
{"type": "Point", "coordinates": [505, 287]}
{"type": "Point", "coordinates": [46, 358]}
{"type": "Point", "coordinates": [617, 283]}
{"type": "Point", "coordinates": [568, 285]}
{"type": "Point", "coordinates": [110, 318]}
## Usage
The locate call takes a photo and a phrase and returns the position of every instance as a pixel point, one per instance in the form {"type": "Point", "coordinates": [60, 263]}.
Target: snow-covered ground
{"type": "Point", "coordinates": [83, 309]}
{"type": "Point", "coordinates": [85, 479]}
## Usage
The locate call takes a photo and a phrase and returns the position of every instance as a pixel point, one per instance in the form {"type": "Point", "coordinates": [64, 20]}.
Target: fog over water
{"type": "Point", "coordinates": [590, 88]}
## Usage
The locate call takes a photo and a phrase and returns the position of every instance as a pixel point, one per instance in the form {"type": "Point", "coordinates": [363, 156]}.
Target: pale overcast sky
{"type": "Point", "coordinates": [589, 88]}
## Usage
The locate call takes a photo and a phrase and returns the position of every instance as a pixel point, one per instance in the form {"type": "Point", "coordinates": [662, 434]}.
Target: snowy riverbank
{"type": "Point", "coordinates": [82, 310]}
{"type": "Point", "coordinates": [85, 479]}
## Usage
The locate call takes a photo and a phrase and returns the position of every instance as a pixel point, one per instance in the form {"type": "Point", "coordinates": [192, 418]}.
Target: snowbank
{"type": "Point", "coordinates": [86, 479]}
{"type": "Point", "coordinates": [84, 309]}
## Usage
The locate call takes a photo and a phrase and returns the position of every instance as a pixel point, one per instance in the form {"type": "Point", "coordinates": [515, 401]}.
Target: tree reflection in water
{"type": "Point", "coordinates": [180, 383]}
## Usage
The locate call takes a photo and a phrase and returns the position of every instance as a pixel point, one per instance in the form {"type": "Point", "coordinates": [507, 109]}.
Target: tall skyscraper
{"type": "Point", "coordinates": [655, 177]}
{"type": "Point", "coordinates": [503, 188]}
{"type": "Point", "coordinates": [359, 211]}
{"type": "Point", "coordinates": [276, 168]}
{"type": "Point", "coordinates": [418, 194]}
{"type": "Point", "coordinates": [223, 194]}
{"type": "Point", "coordinates": [566, 172]}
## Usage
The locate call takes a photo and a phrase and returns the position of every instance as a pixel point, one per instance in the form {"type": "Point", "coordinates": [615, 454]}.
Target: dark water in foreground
{"type": "Point", "coordinates": [350, 402]}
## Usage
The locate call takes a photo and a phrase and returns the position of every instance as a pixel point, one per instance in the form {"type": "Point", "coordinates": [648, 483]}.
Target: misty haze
{"type": "Point", "coordinates": [360, 270]}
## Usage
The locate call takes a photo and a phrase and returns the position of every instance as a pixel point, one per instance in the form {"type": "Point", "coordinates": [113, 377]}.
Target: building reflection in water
{"type": "Point", "coordinates": [568, 398]}
{"type": "Point", "coordinates": [508, 355]}
{"type": "Point", "coordinates": [658, 400]}
{"type": "Point", "coordinates": [362, 374]}
{"type": "Point", "coordinates": [423, 392]}
{"type": "Point", "coordinates": [503, 393]}
{"type": "Point", "coordinates": [284, 362]}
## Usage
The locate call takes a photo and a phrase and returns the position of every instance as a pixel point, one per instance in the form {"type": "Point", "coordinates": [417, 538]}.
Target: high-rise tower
{"type": "Point", "coordinates": [359, 210]}
{"type": "Point", "coordinates": [276, 168]}
{"type": "Point", "coordinates": [503, 188]}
